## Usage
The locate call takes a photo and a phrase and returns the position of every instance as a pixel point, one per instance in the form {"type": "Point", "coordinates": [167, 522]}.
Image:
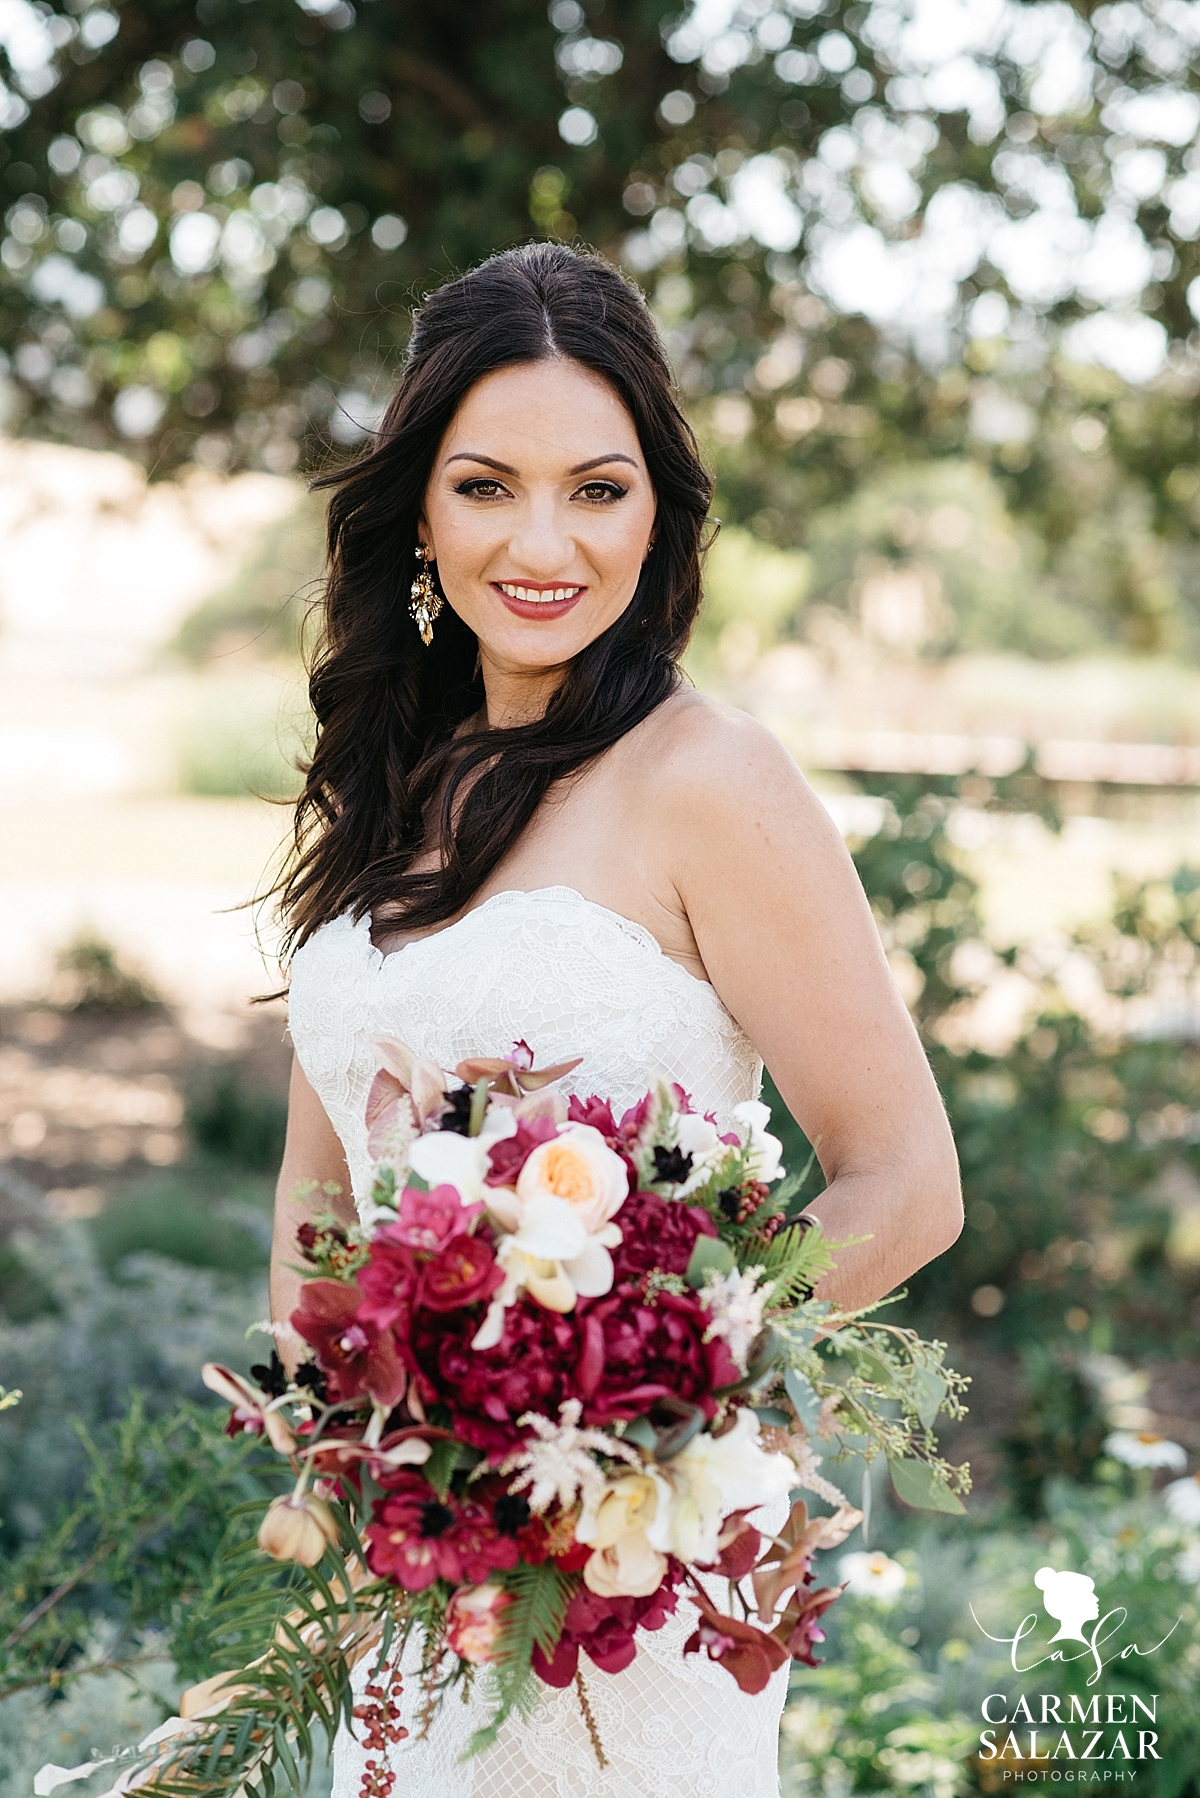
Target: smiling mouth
{"type": "Point", "coordinates": [537, 596]}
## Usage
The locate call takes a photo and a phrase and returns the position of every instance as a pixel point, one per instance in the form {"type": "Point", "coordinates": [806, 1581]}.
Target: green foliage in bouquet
{"type": "Point", "coordinates": [144, 1548]}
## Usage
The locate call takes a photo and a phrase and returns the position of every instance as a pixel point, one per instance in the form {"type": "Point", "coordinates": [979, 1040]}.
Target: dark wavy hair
{"type": "Point", "coordinates": [388, 776]}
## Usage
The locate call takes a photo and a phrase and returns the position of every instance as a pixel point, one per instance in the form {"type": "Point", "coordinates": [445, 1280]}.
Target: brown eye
{"type": "Point", "coordinates": [600, 491]}
{"type": "Point", "coordinates": [479, 489]}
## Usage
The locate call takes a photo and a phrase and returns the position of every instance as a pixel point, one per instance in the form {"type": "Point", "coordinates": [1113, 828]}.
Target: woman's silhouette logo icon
{"type": "Point", "coordinates": [1070, 1598]}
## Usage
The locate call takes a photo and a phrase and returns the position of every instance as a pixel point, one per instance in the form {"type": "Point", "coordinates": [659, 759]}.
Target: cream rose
{"type": "Point", "coordinates": [624, 1564]}
{"type": "Point", "coordinates": [578, 1167]}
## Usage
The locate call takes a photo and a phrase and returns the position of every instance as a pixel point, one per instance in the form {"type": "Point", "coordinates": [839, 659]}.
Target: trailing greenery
{"type": "Point", "coordinates": [143, 1550]}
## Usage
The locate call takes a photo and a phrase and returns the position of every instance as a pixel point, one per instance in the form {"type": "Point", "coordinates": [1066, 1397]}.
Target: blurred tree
{"type": "Point", "coordinates": [865, 226]}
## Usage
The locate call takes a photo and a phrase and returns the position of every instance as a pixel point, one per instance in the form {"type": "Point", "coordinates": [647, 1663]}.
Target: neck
{"type": "Point", "coordinates": [515, 696]}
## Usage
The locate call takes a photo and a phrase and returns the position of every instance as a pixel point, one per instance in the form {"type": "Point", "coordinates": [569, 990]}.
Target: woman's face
{"type": "Point", "coordinates": [540, 513]}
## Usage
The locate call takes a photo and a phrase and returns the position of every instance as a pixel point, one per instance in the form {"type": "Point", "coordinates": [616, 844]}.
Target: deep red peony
{"type": "Point", "coordinates": [605, 1629]}
{"type": "Point", "coordinates": [354, 1353]}
{"type": "Point", "coordinates": [658, 1233]}
{"type": "Point", "coordinates": [532, 1368]}
{"type": "Point", "coordinates": [635, 1353]}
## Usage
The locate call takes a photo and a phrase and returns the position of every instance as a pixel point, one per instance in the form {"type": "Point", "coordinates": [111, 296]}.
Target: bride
{"type": "Point", "coordinates": [520, 821]}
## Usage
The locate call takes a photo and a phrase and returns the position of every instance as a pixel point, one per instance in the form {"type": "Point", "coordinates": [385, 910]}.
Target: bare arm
{"type": "Point", "coordinates": [788, 940]}
{"type": "Point", "coordinates": [312, 1152]}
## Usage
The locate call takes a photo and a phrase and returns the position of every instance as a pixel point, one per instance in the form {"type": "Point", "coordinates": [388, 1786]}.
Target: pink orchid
{"type": "Point", "coordinates": [404, 1095]}
{"type": "Point", "coordinates": [513, 1074]}
{"type": "Point", "coordinates": [252, 1412]}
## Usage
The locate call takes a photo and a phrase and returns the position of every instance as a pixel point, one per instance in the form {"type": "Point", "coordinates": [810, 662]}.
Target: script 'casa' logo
{"type": "Point", "coordinates": [1070, 1601]}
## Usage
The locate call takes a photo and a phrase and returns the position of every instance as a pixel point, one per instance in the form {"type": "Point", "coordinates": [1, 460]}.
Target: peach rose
{"type": "Point", "coordinates": [474, 1619]}
{"type": "Point", "coordinates": [579, 1167]}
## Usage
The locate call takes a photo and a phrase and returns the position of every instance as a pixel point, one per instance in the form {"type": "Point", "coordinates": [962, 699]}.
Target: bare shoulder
{"type": "Point", "coordinates": [707, 754]}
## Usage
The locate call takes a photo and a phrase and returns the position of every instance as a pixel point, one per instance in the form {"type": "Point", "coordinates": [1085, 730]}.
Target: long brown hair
{"type": "Point", "coordinates": [386, 706]}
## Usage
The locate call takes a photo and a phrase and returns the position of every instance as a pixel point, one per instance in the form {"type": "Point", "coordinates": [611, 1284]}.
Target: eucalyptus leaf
{"type": "Point", "coordinates": [807, 1402]}
{"type": "Point", "coordinates": [931, 1389]}
{"type": "Point", "coordinates": [642, 1434]}
{"type": "Point", "coordinates": [710, 1255]}
{"type": "Point", "coordinates": [917, 1484]}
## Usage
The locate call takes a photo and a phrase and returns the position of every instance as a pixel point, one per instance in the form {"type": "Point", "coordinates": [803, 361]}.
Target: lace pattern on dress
{"type": "Point", "coordinates": [568, 975]}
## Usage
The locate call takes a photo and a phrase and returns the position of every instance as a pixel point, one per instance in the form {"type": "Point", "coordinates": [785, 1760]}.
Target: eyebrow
{"type": "Point", "coordinates": [503, 467]}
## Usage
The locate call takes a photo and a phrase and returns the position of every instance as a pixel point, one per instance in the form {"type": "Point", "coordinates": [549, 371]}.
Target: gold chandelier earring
{"type": "Point", "coordinates": [426, 602]}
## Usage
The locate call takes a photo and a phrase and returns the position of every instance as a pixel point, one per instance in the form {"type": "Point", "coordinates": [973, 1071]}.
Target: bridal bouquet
{"type": "Point", "coordinates": [553, 1385]}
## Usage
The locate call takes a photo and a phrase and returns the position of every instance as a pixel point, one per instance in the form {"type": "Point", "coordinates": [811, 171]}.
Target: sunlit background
{"type": "Point", "coordinates": [929, 276]}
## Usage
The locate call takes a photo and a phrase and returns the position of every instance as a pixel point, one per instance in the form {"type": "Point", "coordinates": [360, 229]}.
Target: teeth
{"type": "Point", "coordinates": [535, 599]}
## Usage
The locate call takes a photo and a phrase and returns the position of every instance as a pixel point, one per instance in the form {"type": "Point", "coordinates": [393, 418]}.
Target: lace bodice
{"type": "Point", "coordinates": [572, 978]}
{"type": "Point", "coordinates": [568, 975]}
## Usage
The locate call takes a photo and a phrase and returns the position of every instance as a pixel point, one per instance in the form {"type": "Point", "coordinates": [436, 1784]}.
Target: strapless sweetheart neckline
{"type": "Point", "coordinates": [639, 932]}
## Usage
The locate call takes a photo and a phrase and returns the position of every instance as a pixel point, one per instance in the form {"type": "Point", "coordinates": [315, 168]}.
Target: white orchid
{"type": "Point", "coordinates": [558, 1225]}
{"type": "Point", "coordinates": [551, 1256]}
{"type": "Point", "coordinates": [762, 1149]}
{"type": "Point", "coordinates": [698, 1137]}
{"type": "Point", "coordinates": [711, 1477]}
{"type": "Point", "coordinates": [443, 1158]}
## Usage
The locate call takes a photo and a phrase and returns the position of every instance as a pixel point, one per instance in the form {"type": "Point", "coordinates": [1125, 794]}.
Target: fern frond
{"type": "Point", "coordinates": [533, 1620]}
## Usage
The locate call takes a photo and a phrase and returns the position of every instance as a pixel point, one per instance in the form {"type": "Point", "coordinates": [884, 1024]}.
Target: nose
{"type": "Point", "coordinates": [541, 545]}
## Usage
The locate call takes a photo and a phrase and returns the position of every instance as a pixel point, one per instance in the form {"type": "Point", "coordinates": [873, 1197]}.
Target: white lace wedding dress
{"type": "Point", "coordinates": [571, 978]}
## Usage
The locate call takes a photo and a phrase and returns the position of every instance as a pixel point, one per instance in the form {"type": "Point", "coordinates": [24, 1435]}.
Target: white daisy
{"type": "Point", "coordinates": [873, 1575]}
{"type": "Point", "coordinates": [1182, 1499]}
{"type": "Point", "coordinates": [1144, 1448]}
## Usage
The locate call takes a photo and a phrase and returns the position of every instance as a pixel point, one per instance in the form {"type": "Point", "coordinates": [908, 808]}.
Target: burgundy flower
{"type": "Point", "coordinates": [417, 1537]}
{"type": "Point", "coordinates": [465, 1270]}
{"type": "Point", "coordinates": [356, 1356]}
{"type": "Point", "coordinates": [634, 1121]}
{"type": "Point", "coordinates": [658, 1233]}
{"type": "Point", "coordinates": [635, 1353]}
{"type": "Point", "coordinates": [512, 1517]}
{"type": "Point", "coordinates": [594, 1111]}
{"type": "Point", "coordinates": [532, 1368]}
{"type": "Point", "coordinates": [598, 1114]}
{"type": "Point", "coordinates": [509, 1155]}
{"type": "Point", "coordinates": [798, 1627]}
{"type": "Point", "coordinates": [750, 1654]}
{"type": "Point", "coordinates": [389, 1279]}
{"type": "Point", "coordinates": [605, 1628]}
